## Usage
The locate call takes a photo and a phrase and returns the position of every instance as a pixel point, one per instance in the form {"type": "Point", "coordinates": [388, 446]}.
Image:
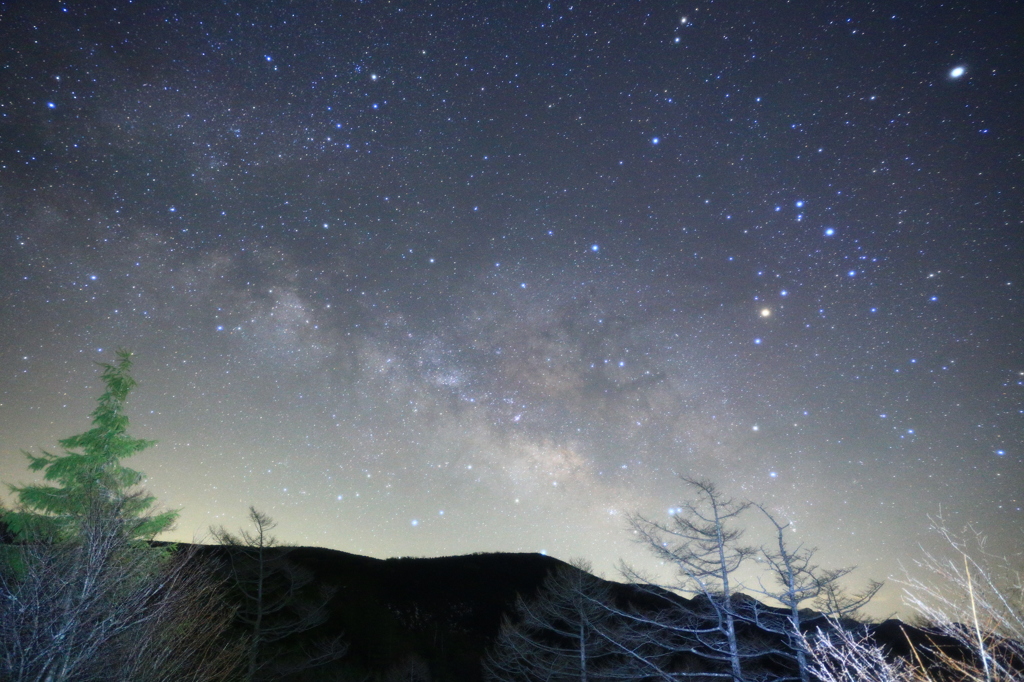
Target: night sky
{"type": "Point", "coordinates": [429, 278]}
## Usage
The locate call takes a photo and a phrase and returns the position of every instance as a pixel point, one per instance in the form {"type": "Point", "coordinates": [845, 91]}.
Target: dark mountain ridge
{"type": "Point", "coordinates": [434, 618]}
{"type": "Point", "coordinates": [439, 613]}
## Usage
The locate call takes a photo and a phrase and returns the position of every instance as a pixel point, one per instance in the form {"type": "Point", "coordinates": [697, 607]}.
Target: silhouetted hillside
{"type": "Point", "coordinates": [437, 614]}
{"type": "Point", "coordinates": [434, 619]}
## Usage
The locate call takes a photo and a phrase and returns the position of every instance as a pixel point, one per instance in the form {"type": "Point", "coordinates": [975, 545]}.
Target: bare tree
{"type": "Point", "coordinates": [836, 602]}
{"type": "Point", "coordinates": [972, 598]}
{"type": "Point", "coordinates": [704, 547]}
{"type": "Point", "coordinates": [793, 580]}
{"type": "Point", "coordinates": [103, 606]}
{"type": "Point", "coordinates": [977, 599]}
{"type": "Point", "coordinates": [185, 639]}
{"type": "Point", "coordinates": [563, 633]}
{"type": "Point", "coordinates": [274, 604]}
{"type": "Point", "coordinates": [839, 655]}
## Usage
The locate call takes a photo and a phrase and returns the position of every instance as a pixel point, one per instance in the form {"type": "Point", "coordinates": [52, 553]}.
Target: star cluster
{"type": "Point", "coordinates": [439, 277]}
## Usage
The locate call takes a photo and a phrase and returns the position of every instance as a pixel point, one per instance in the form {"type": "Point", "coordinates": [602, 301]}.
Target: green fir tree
{"type": "Point", "coordinates": [89, 478]}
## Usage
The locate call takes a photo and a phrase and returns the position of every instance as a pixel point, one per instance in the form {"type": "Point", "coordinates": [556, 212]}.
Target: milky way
{"type": "Point", "coordinates": [434, 278]}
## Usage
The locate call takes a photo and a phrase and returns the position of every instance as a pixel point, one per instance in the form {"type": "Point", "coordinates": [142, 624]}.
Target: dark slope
{"type": "Point", "coordinates": [443, 611]}
{"type": "Point", "coordinates": [439, 613]}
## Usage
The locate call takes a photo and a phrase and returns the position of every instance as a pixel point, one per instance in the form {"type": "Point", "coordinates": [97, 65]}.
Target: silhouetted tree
{"type": "Point", "coordinates": [273, 604]}
{"type": "Point", "coordinates": [410, 668]}
{"type": "Point", "coordinates": [566, 632]}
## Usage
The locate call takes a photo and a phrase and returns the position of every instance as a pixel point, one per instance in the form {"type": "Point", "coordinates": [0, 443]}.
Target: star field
{"type": "Point", "coordinates": [433, 278]}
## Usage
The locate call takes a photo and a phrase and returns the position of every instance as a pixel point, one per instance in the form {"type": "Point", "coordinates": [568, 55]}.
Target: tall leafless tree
{"type": "Point", "coordinates": [793, 581]}
{"type": "Point", "coordinates": [273, 604]}
{"type": "Point", "coordinates": [701, 543]}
